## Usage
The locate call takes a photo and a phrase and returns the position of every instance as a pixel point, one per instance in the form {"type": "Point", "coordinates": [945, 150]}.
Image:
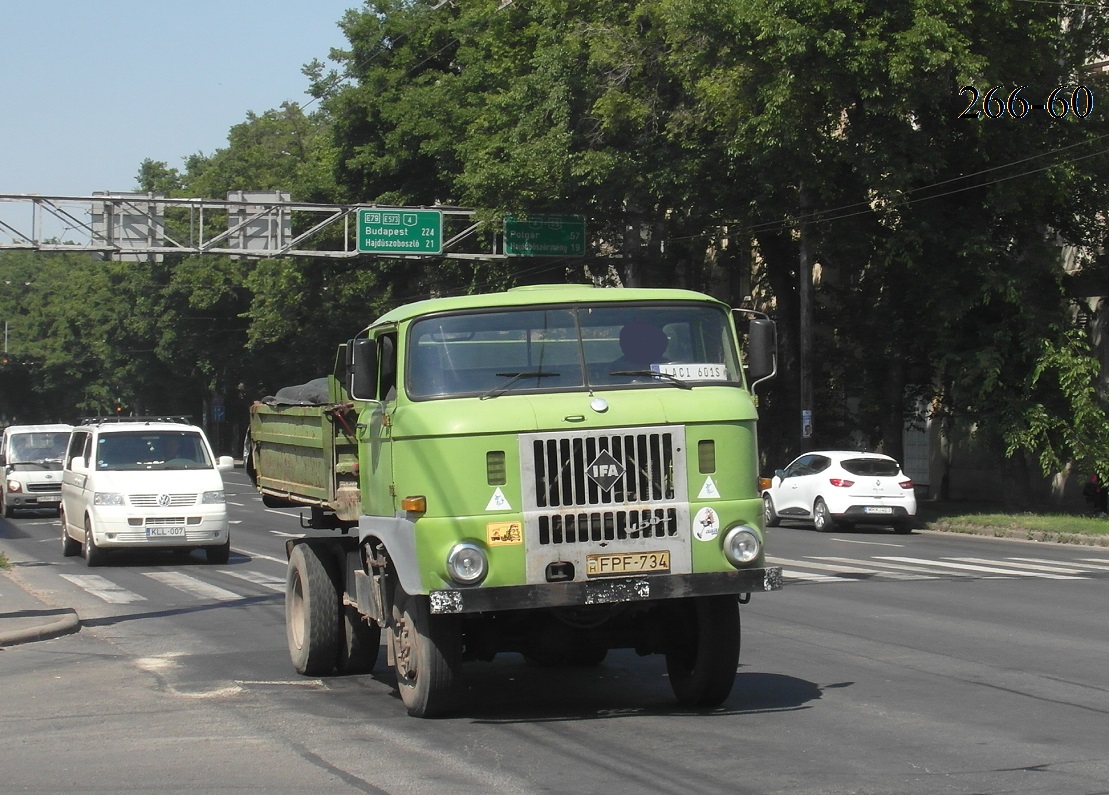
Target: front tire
{"type": "Point", "coordinates": [311, 611]}
{"type": "Point", "coordinates": [70, 546]}
{"type": "Point", "coordinates": [822, 520]}
{"type": "Point", "coordinates": [219, 555]}
{"type": "Point", "coordinates": [427, 653]}
{"type": "Point", "coordinates": [770, 516]}
{"type": "Point", "coordinates": [703, 652]}
{"type": "Point", "coordinates": [94, 555]}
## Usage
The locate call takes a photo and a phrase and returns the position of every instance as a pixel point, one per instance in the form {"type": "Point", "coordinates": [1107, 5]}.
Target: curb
{"type": "Point", "coordinates": [67, 624]}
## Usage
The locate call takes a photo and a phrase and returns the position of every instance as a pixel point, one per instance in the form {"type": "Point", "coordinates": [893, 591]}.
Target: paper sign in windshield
{"type": "Point", "coordinates": [694, 372]}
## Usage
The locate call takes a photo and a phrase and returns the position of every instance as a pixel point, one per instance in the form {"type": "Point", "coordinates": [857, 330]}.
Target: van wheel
{"type": "Point", "coordinates": [311, 611]}
{"type": "Point", "coordinates": [9, 511]}
{"type": "Point", "coordinates": [94, 555]}
{"type": "Point", "coordinates": [702, 652]}
{"type": "Point", "coordinates": [219, 555]}
{"type": "Point", "coordinates": [70, 547]}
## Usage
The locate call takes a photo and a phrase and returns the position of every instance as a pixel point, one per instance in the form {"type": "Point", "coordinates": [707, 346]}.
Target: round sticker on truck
{"type": "Point", "coordinates": [706, 524]}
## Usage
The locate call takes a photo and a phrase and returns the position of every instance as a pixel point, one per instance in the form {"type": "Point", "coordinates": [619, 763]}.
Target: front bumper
{"type": "Point", "coordinates": [609, 590]}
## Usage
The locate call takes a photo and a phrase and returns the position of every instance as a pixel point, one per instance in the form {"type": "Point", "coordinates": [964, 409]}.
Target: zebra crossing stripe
{"type": "Point", "coordinates": [266, 581]}
{"type": "Point", "coordinates": [841, 569]}
{"type": "Point", "coordinates": [183, 582]}
{"type": "Point", "coordinates": [103, 588]}
{"type": "Point", "coordinates": [1097, 564]}
{"type": "Point", "coordinates": [1016, 564]}
{"type": "Point", "coordinates": [991, 569]}
{"type": "Point", "coordinates": [891, 570]}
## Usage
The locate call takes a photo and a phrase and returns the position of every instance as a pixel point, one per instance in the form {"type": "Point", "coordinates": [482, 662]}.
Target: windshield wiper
{"type": "Point", "coordinates": [655, 374]}
{"type": "Point", "coordinates": [512, 379]}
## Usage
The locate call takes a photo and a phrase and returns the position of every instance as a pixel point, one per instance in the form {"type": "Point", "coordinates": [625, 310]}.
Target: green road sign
{"type": "Point", "coordinates": [545, 236]}
{"type": "Point", "coordinates": [399, 230]}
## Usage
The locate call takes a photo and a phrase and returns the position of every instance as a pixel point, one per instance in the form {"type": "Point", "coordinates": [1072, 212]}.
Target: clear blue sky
{"type": "Point", "coordinates": [88, 89]}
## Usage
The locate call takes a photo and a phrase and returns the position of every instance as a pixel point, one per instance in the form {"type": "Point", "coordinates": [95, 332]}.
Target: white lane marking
{"type": "Point", "coordinates": [266, 581]}
{"type": "Point", "coordinates": [103, 589]}
{"type": "Point", "coordinates": [995, 570]}
{"type": "Point", "coordinates": [260, 556]}
{"type": "Point", "coordinates": [804, 575]}
{"type": "Point", "coordinates": [846, 569]}
{"type": "Point", "coordinates": [1032, 565]}
{"type": "Point", "coordinates": [279, 534]}
{"type": "Point", "coordinates": [282, 513]}
{"type": "Point", "coordinates": [871, 543]}
{"type": "Point", "coordinates": [237, 504]}
{"type": "Point", "coordinates": [183, 582]}
{"type": "Point", "coordinates": [887, 569]}
{"type": "Point", "coordinates": [1097, 564]}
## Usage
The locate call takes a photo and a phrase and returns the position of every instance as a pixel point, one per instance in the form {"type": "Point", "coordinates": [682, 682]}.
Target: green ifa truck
{"type": "Point", "coordinates": [553, 471]}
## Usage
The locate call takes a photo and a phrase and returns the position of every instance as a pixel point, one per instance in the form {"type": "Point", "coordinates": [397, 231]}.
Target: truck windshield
{"type": "Point", "coordinates": [40, 447]}
{"type": "Point", "coordinates": [633, 346]}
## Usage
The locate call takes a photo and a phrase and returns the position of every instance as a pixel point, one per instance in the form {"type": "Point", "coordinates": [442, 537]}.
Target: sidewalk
{"type": "Point", "coordinates": [25, 618]}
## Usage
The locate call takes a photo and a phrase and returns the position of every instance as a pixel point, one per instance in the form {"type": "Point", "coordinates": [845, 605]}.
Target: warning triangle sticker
{"type": "Point", "coordinates": [708, 491]}
{"type": "Point", "coordinates": [498, 502]}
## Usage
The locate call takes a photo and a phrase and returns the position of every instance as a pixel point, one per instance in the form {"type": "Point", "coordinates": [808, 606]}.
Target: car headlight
{"type": "Point", "coordinates": [742, 545]}
{"type": "Point", "coordinates": [107, 498]}
{"type": "Point", "coordinates": [15, 486]}
{"type": "Point", "coordinates": [467, 564]}
{"type": "Point", "coordinates": [212, 497]}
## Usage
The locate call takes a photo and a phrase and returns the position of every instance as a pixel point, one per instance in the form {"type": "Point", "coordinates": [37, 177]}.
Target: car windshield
{"type": "Point", "coordinates": [878, 467]}
{"type": "Point", "coordinates": [656, 345]}
{"type": "Point", "coordinates": [152, 450]}
{"type": "Point", "coordinates": [37, 448]}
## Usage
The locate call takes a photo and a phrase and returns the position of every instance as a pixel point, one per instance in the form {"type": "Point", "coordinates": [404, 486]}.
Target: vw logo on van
{"type": "Point", "coordinates": [163, 500]}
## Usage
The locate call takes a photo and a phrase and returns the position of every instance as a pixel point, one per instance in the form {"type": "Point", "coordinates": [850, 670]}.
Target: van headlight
{"type": "Point", "coordinates": [741, 545]}
{"type": "Point", "coordinates": [107, 498]}
{"type": "Point", "coordinates": [14, 486]}
{"type": "Point", "coordinates": [212, 498]}
{"type": "Point", "coordinates": [467, 563]}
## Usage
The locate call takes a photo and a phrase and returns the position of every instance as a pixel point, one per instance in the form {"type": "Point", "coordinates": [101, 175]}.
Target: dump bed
{"type": "Point", "coordinates": [304, 453]}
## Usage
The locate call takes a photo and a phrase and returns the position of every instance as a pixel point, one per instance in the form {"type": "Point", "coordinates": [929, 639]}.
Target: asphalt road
{"type": "Point", "coordinates": [913, 664]}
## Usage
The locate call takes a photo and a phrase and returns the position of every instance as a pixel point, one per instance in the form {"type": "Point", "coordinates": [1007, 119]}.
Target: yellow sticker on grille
{"type": "Point", "coordinates": [501, 533]}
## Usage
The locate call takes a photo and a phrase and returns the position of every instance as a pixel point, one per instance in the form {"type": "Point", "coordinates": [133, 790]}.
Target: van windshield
{"type": "Point", "coordinates": [152, 450]}
{"type": "Point", "coordinates": [43, 448]}
{"type": "Point", "coordinates": [607, 345]}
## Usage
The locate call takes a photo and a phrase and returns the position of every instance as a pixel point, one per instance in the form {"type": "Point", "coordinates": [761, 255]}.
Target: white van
{"type": "Point", "coordinates": [143, 484]}
{"type": "Point", "coordinates": [31, 456]}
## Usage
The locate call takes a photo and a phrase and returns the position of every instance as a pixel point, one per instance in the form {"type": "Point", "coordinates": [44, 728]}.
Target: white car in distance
{"type": "Point", "coordinates": [841, 488]}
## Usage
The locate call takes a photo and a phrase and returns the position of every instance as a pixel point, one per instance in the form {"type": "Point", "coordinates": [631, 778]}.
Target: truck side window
{"type": "Point", "coordinates": [387, 356]}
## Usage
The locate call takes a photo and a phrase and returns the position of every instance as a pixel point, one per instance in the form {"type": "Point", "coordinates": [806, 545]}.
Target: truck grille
{"type": "Point", "coordinates": [45, 488]}
{"type": "Point", "coordinates": [640, 466]}
{"type": "Point", "coordinates": [615, 488]}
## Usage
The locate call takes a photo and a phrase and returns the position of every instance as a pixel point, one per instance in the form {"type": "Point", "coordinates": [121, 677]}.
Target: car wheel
{"type": "Point", "coordinates": [769, 515]}
{"type": "Point", "coordinates": [9, 511]}
{"type": "Point", "coordinates": [94, 555]}
{"type": "Point", "coordinates": [821, 517]}
{"type": "Point", "coordinates": [70, 546]}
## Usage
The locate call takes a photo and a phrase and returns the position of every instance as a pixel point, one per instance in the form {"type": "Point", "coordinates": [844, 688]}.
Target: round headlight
{"type": "Point", "coordinates": [741, 545]}
{"type": "Point", "coordinates": [467, 564]}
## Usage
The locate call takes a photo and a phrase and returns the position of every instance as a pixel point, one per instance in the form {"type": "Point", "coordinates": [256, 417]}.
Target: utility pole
{"type": "Point", "coordinates": [805, 305]}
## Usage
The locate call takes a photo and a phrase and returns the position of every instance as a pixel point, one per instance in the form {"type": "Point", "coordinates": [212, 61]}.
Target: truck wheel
{"type": "Point", "coordinates": [311, 612]}
{"type": "Point", "coordinates": [703, 651]}
{"type": "Point", "coordinates": [359, 646]}
{"type": "Point", "coordinates": [94, 555]}
{"type": "Point", "coordinates": [70, 547]}
{"type": "Point", "coordinates": [427, 651]}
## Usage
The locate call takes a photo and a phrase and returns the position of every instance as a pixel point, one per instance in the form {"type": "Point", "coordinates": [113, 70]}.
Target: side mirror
{"type": "Point", "coordinates": [362, 368]}
{"type": "Point", "coordinates": [225, 463]}
{"type": "Point", "coordinates": [762, 350]}
{"type": "Point", "coordinates": [780, 474]}
{"type": "Point", "coordinates": [78, 464]}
